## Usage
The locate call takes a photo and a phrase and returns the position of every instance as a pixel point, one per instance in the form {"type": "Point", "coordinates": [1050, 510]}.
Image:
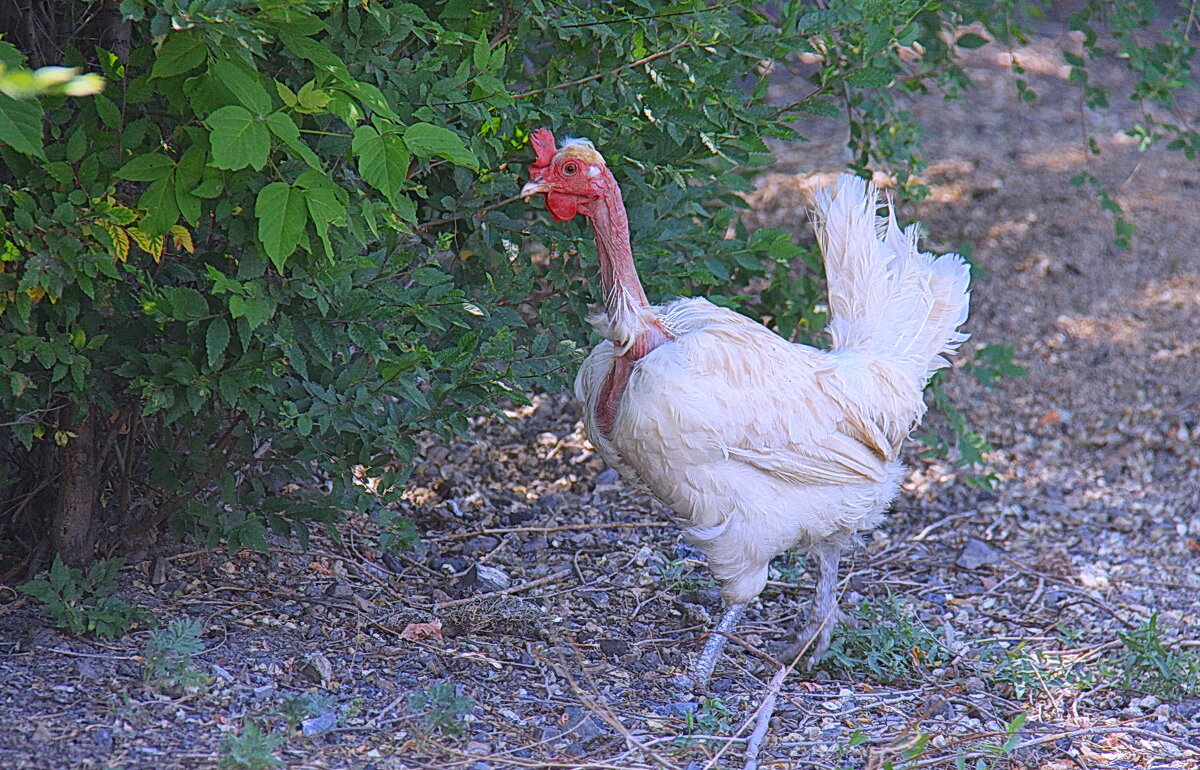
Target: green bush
{"type": "Point", "coordinates": [283, 240]}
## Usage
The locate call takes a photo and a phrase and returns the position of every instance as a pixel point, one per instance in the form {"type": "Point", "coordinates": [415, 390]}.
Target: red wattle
{"type": "Point", "coordinates": [561, 207]}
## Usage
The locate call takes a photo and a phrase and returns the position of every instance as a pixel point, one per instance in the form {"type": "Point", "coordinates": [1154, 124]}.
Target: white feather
{"type": "Point", "coordinates": [758, 444]}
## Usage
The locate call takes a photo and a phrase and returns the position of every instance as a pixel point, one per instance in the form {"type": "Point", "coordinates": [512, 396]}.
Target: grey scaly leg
{"type": "Point", "coordinates": [817, 633]}
{"type": "Point", "coordinates": [702, 667]}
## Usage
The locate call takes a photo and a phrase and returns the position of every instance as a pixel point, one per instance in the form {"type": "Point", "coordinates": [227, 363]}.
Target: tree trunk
{"type": "Point", "coordinates": [72, 532]}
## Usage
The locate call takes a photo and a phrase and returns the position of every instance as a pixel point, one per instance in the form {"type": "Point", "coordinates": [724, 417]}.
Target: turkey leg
{"type": "Point", "coordinates": [702, 667]}
{"type": "Point", "coordinates": [818, 632]}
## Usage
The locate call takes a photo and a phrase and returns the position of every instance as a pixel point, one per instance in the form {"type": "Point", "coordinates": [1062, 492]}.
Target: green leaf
{"type": "Point", "coordinates": [971, 40]}
{"type": "Point", "coordinates": [21, 126]}
{"type": "Point", "coordinates": [255, 310]}
{"type": "Point", "coordinates": [426, 140]}
{"type": "Point", "coordinates": [216, 339]}
{"type": "Point", "coordinates": [146, 168]}
{"type": "Point", "coordinates": [238, 139]}
{"type": "Point", "coordinates": [108, 112]}
{"type": "Point", "coordinates": [211, 187]}
{"type": "Point", "coordinates": [382, 159]}
{"type": "Point", "coordinates": [871, 77]}
{"type": "Point", "coordinates": [161, 209]}
{"type": "Point", "coordinates": [186, 303]}
{"type": "Point", "coordinates": [180, 52]}
{"type": "Point", "coordinates": [243, 82]}
{"type": "Point", "coordinates": [282, 125]}
{"type": "Point", "coordinates": [282, 213]}
{"type": "Point", "coordinates": [188, 174]}
{"type": "Point", "coordinates": [324, 206]}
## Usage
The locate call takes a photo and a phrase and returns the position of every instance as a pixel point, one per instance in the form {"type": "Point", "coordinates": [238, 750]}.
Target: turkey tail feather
{"type": "Point", "coordinates": [887, 298]}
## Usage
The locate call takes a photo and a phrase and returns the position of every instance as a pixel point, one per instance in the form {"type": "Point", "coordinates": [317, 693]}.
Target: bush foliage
{"type": "Point", "coordinates": [283, 240]}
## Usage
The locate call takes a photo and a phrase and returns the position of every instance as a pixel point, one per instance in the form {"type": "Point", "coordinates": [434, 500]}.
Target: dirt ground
{"type": "Point", "coordinates": [1053, 621]}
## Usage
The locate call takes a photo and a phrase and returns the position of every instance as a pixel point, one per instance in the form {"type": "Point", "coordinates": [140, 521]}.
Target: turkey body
{"type": "Point", "coordinates": [756, 443]}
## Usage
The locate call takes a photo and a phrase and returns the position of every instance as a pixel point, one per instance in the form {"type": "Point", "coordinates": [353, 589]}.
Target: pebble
{"type": "Point", "coordinates": [976, 553]}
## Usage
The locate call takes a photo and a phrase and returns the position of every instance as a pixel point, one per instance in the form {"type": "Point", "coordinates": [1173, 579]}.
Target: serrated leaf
{"type": "Point", "coordinates": [162, 211]}
{"type": "Point", "coordinates": [211, 187]}
{"type": "Point", "coordinates": [429, 276]}
{"type": "Point", "coordinates": [108, 112]}
{"type": "Point", "coordinates": [151, 244]}
{"type": "Point", "coordinates": [238, 138]}
{"type": "Point", "coordinates": [871, 77]}
{"type": "Point", "coordinates": [325, 208]}
{"type": "Point", "coordinates": [285, 94]}
{"type": "Point", "coordinates": [216, 339]}
{"type": "Point", "coordinates": [282, 125]}
{"type": "Point", "coordinates": [243, 83]}
{"type": "Point", "coordinates": [182, 238]}
{"type": "Point", "coordinates": [186, 303]}
{"type": "Point", "coordinates": [21, 126]}
{"type": "Point", "coordinates": [146, 168]}
{"type": "Point", "coordinates": [120, 240]}
{"type": "Point", "coordinates": [180, 52]}
{"type": "Point", "coordinates": [426, 140]}
{"type": "Point", "coordinates": [60, 171]}
{"type": "Point", "coordinates": [282, 212]}
{"type": "Point", "coordinates": [382, 159]}
{"type": "Point", "coordinates": [255, 310]}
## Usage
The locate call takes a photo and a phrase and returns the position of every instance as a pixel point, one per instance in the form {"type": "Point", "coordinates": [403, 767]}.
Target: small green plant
{"type": "Point", "coordinates": [680, 576]}
{"type": "Point", "coordinates": [440, 708]}
{"type": "Point", "coordinates": [251, 750]}
{"type": "Point", "coordinates": [968, 449]}
{"type": "Point", "coordinates": [790, 566]}
{"type": "Point", "coordinates": [711, 717]}
{"type": "Point", "coordinates": [999, 751]}
{"type": "Point", "coordinates": [1148, 666]}
{"type": "Point", "coordinates": [890, 644]}
{"type": "Point", "coordinates": [168, 656]}
{"type": "Point", "coordinates": [85, 604]}
{"type": "Point", "coordinates": [1018, 672]}
{"type": "Point", "coordinates": [297, 708]}
{"type": "Point", "coordinates": [992, 363]}
{"type": "Point", "coordinates": [397, 533]}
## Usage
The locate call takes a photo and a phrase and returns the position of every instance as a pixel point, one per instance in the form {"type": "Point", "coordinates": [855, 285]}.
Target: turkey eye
{"type": "Point", "coordinates": [570, 169]}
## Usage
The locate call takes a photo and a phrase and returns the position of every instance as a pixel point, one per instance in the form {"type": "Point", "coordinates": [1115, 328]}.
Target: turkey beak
{"type": "Point", "coordinates": [533, 187]}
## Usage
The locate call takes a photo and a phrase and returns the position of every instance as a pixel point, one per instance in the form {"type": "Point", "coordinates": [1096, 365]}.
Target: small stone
{"type": "Point", "coordinates": [607, 477]}
{"type": "Point", "coordinates": [320, 723]}
{"type": "Point", "coordinates": [1148, 703]}
{"type": "Point", "coordinates": [316, 668]}
{"type": "Point", "coordinates": [481, 577]}
{"type": "Point", "coordinates": [976, 553]}
{"type": "Point", "coordinates": [1092, 576]}
{"type": "Point", "coordinates": [339, 590]}
{"type": "Point", "coordinates": [103, 738]}
{"type": "Point", "coordinates": [584, 726]}
{"type": "Point", "coordinates": [680, 709]}
{"type": "Point", "coordinates": [613, 648]}
{"type": "Point", "coordinates": [221, 673]}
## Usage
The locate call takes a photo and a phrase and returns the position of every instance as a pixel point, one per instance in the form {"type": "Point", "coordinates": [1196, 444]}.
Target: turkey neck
{"type": "Point", "coordinates": [629, 312]}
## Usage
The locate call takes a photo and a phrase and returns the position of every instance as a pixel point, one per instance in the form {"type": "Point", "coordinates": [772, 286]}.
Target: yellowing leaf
{"type": "Point", "coordinates": [36, 293]}
{"type": "Point", "coordinates": [151, 244]}
{"type": "Point", "coordinates": [120, 239]}
{"type": "Point", "coordinates": [182, 238]}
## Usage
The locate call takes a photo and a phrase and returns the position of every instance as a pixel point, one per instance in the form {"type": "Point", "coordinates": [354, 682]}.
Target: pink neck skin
{"type": "Point", "coordinates": [621, 288]}
{"type": "Point", "coordinates": [618, 275]}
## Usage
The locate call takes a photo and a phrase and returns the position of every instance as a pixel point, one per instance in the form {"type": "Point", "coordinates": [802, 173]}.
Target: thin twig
{"type": "Point", "coordinates": [563, 528]}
